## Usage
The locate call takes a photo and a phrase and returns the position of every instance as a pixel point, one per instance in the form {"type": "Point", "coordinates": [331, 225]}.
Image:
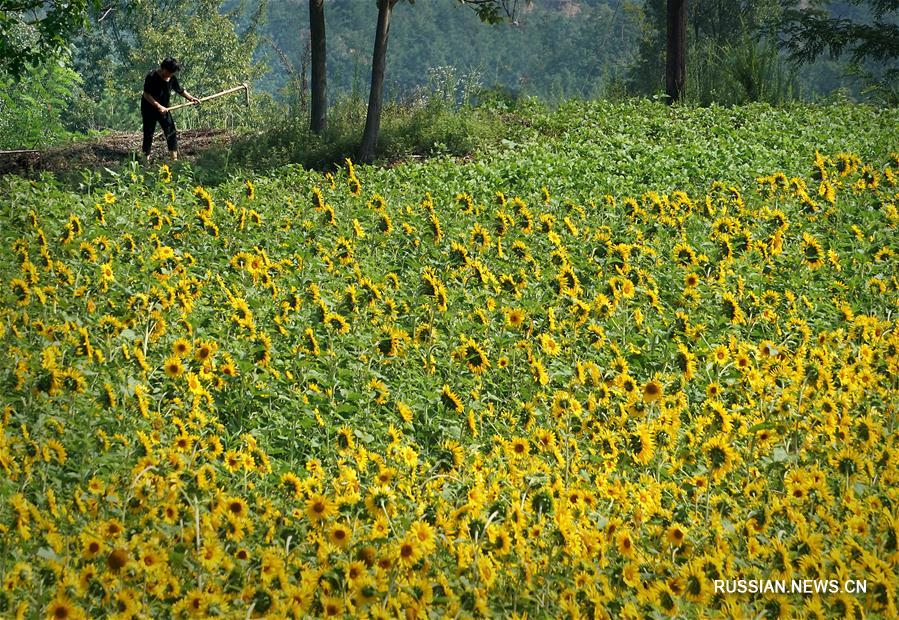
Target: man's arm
{"type": "Point", "coordinates": [176, 86]}
{"type": "Point", "coordinates": [162, 109]}
{"type": "Point", "coordinates": [188, 96]}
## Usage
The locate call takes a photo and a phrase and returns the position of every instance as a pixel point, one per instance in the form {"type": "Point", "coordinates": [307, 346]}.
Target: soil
{"type": "Point", "coordinates": [109, 151]}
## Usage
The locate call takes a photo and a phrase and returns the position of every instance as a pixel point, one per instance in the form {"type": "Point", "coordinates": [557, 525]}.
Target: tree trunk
{"type": "Point", "coordinates": [378, 63]}
{"type": "Point", "coordinates": [676, 61]}
{"type": "Point", "coordinates": [318, 118]}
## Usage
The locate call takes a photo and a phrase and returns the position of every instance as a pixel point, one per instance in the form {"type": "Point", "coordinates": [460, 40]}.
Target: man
{"type": "Point", "coordinates": [158, 87]}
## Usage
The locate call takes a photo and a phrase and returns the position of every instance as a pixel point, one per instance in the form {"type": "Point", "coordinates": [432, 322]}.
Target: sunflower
{"type": "Point", "coordinates": [622, 288]}
{"type": "Point", "coordinates": [405, 411]}
{"type": "Point", "coordinates": [204, 350]}
{"type": "Point", "coordinates": [345, 438]}
{"type": "Point", "coordinates": [243, 316]}
{"type": "Point", "coordinates": [319, 508]}
{"type": "Point", "coordinates": [664, 598]}
{"type": "Point", "coordinates": [642, 445]}
{"type": "Point", "coordinates": [630, 574]}
{"type": "Point", "coordinates": [389, 345]}
{"type": "Point", "coordinates": [236, 508]}
{"type": "Point", "coordinates": [425, 534]}
{"type": "Point", "coordinates": [515, 317]}
{"type": "Point", "coordinates": [568, 282]}
{"type": "Point", "coordinates": [292, 484]}
{"type": "Point", "coordinates": [450, 400]}
{"type": "Point", "coordinates": [382, 393]}
{"type": "Point", "coordinates": [564, 403]}
{"type": "Point", "coordinates": [603, 306]}
{"type": "Point", "coordinates": [480, 236]}
{"type": "Point", "coordinates": [720, 456]}
{"type": "Point", "coordinates": [451, 455]}
{"type": "Point", "coordinates": [337, 322]}
{"type": "Point", "coordinates": [627, 384]}
{"type": "Point", "coordinates": [549, 344]}
{"type": "Point", "coordinates": [812, 253]}
{"type": "Point", "coordinates": [684, 255]}
{"type": "Point", "coordinates": [625, 543]}
{"type": "Point", "coordinates": [465, 202]}
{"type": "Point", "coordinates": [62, 608]}
{"type": "Point", "coordinates": [117, 559]}
{"type": "Point", "coordinates": [173, 366]}
{"type": "Point", "coordinates": [501, 541]}
{"type": "Point", "coordinates": [21, 290]}
{"type": "Point", "coordinates": [91, 546]}
{"type": "Point", "coordinates": [732, 309]}
{"type": "Point", "coordinates": [73, 380]}
{"type": "Point", "coordinates": [652, 391]}
{"type": "Point", "coordinates": [106, 273]}
{"type": "Point", "coordinates": [310, 343]}
{"type": "Point", "coordinates": [847, 461]}
{"type": "Point", "coordinates": [473, 355]}
{"type": "Point", "coordinates": [434, 287]}
{"type": "Point", "coordinates": [518, 447]}
{"type": "Point", "coordinates": [675, 535]}
{"type": "Point", "coordinates": [181, 347]}
{"type": "Point", "coordinates": [339, 535]}
{"type": "Point", "coordinates": [686, 361]}
{"type": "Point", "coordinates": [696, 585]}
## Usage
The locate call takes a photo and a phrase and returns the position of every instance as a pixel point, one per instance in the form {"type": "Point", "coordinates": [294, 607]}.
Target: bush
{"type": "Point", "coordinates": [31, 109]}
{"type": "Point", "coordinates": [423, 127]}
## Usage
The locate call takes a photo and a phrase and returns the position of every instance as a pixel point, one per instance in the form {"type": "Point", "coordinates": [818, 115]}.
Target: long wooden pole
{"type": "Point", "coordinates": [245, 87]}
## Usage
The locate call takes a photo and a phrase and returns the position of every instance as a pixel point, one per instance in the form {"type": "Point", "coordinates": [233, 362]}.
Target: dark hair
{"type": "Point", "coordinates": [170, 64]}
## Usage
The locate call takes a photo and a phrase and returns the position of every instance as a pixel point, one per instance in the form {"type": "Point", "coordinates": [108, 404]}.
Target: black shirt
{"type": "Point", "coordinates": [160, 90]}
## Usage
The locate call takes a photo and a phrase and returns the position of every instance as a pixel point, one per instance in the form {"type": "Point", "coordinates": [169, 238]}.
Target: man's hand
{"type": "Point", "coordinates": [195, 100]}
{"type": "Point", "coordinates": [162, 109]}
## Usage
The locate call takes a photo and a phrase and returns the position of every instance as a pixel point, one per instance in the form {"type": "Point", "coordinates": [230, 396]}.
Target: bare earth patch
{"type": "Point", "coordinates": [109, 150]}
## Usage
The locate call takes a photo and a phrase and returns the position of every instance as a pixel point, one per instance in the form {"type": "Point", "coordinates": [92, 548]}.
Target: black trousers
{"type": "Point", "coordinates": [168, 128]}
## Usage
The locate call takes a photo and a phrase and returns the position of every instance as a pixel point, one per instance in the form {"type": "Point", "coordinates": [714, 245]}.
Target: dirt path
{"type": "Point", "coordinates": [108, 151]}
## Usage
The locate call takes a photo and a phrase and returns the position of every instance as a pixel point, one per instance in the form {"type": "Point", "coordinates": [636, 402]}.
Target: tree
{"type": "Point", "coordinates": [495, 11]}
{"type": "Point", "coordinates": [731, 60]}
{"type": "Point", "coordinates": [318, 115]}
{"type": "Point", "coordinates": [33, 32]}
{"type": "Point", "coordinates": [676, 57]}
{"type": "Point", "coordinates": [489, 11]}
{"type": "Point", "coordinates": [375, 98]}
{"type": "Point", "coordinates": [808, 31]}
{"type": "Point", "coordinates": [34, 105]}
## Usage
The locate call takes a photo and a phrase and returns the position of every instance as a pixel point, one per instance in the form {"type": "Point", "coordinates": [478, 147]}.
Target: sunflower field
{"type": "Point", "coordinates": [422, 392]}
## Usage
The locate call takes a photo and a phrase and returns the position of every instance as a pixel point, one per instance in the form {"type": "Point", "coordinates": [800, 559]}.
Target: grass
{"type": "Point", "coordinates": [407, 132]}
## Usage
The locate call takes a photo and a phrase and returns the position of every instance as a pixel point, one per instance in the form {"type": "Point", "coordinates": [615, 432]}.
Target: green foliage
{"type": "Point", "coordinates": [494, 11]}
{"type": "Point", "coordinates": [809, 32]}
{"type": "Point", "coordinates": [421, 128]}
{"type": "Point", "coordinates": [35, 104]}
{"type": "Point", "coordinates": [731, 55]}
{"type": "Point", "coordinates": [554, 51]}
{"type": "Point", "coordinates": [741, 71]}
{"type": "Point", "coordinates": [590, 148]}
{"type": "Point", "coordinates": [33, 32]}
{"type": "Point", "coordinates": [866, 32]}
